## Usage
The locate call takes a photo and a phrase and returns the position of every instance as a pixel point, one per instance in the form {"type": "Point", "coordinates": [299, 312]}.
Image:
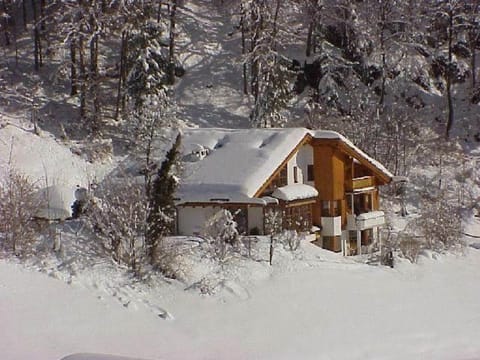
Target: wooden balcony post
{"type": "Point", "coordinates": [359, 242]}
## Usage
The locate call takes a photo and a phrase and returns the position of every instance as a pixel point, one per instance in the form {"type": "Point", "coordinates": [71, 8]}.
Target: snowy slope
{"type": "Point", "coordinates": [327, 307]}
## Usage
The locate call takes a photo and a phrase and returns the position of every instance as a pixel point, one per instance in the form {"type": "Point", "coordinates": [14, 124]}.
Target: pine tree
{"type": "Point", "coordinates": [271, 79]}
{"type": "Point", "coordinates": [147, 63]}
{"type": "Point", "coordinates": [161, 216]}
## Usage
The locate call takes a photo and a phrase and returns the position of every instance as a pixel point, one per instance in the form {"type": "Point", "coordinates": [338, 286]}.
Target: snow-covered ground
{"type": "Point", "coordinates": [311, 304]}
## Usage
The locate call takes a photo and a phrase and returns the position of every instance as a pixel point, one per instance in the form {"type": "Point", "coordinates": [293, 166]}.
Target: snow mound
{"type": "Point", "coordinates": [295, 192]}
{"type": "Point", "coordinates": [56, 202]}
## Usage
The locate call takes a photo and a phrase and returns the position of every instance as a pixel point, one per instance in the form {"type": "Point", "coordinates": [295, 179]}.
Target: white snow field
{"type": "Point", "coordinates": [314, 305]}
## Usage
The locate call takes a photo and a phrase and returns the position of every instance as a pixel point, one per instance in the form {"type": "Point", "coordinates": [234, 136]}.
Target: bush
{"type": "Point", "coordinates": [290, 239]}
{"type": "Point", "coordinates": [118, 216]}
{"type": "Point", "coordinates": [410, 248]}
{"type": "Point", "coordinates": [221, 233]}
{"type": "Point", "coordinates": [18, 206]}
{"type": "Point", "coordinates": [440, 223]}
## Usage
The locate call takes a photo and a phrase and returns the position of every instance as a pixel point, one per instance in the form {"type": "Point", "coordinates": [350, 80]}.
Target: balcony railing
{"type": "Point", "coordinates": [361, 183]}
{"type": "Point", "coordinates": [365, 221]}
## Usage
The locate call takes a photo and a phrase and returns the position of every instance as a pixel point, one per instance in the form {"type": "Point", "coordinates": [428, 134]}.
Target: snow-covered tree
{"type": "Point", "coordinates": [271, 79]}
{"type": "Point", "coordinates": [440, 222]}
{"type": "Point", "coordinates": [119, 218]}
{"type": "Point", "coordinates": [18, 206]}
{"type": "Point", "coordinates": [221, 233]}
{"type": "Point", "coordinates": [148, 64]}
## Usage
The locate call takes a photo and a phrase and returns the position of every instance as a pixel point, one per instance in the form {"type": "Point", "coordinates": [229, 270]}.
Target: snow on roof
{"type": "Point", "coordinates": [238, 161]}
{"type": "Point", "coordinates": [230, 165]}
{"type": "Point", "coordinates": [295, 192]}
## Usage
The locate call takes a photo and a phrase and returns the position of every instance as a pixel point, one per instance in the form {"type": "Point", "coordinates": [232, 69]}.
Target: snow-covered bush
{"type": "Point", "coordinates": [18, 206]}
{"type": "Point", "coordinates": [119, 217]}
{"type": "Point", "coordinates": [409, 247]}
{"type": "Point", "coordinates": [290, 239]}
{"type": "Point", "coordinates": [222, 234]}
{"type": "Point", "coordinates": [273, 221]}
{"type": "Point", "coordinates": [440, 223]}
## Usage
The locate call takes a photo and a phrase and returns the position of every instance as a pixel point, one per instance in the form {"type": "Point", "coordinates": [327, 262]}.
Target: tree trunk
{"type": "Point", "coordinates": [275, 23]}
{"type": "Point", "coordinates": [83, 79]}
{"type": "Point", "coordinates": [42, 15]}
{"type": "Point", "coordinates": [159, 11]}
{"type": "Point", "coordinates": [73, 67]}
{"type": "Point", "coordinates": [121, 80]}
{"type": "Point", "coordinates": [93, 78]}
{"type": "Point", "coordinates": [171, 48]}
{"type": "Point", "coordinates": [308, 51]}
{"type": "Point", "coordinates": [448, 79]}
{"type": "Point", "coordinates": [24, 14]}
{"type": "Point", "coordinates": [6, 23]}
{"type": "Point", "coordinates": [36, 37]}
{"type": "Point", "coordinates": [244, 51]}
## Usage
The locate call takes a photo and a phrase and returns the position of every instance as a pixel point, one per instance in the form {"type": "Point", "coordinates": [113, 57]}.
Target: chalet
{"type": "Point", "coordinates": [314, 180]}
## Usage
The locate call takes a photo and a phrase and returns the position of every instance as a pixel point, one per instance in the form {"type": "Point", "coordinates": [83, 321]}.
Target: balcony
{"type": "Point", "coordinates": [366, 220]}
{"type": "Point", "coordinates": [361, 183]}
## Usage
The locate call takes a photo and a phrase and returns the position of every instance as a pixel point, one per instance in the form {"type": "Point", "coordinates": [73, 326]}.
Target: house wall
{"type": "Point", "coordinates": [255, 218]}
{"type": "Point", "coordinates": [329, 173]}
{"type": "Point", "coordinates": [301, 160]}
{"type": "Point", "coordinates": [191, 219]}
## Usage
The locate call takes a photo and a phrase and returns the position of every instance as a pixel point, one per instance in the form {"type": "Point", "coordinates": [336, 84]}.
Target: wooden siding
{"type": "Point", "coordinates": [329, 170]}
{"type": "Point", "coordinates": [382, 178]}
{"type": "Point", "coordinates": [360, 183]}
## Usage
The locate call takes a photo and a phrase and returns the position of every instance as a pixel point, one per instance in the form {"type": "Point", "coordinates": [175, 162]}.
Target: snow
{"type": "Point", "coordinates": [371, 215]}
{"type": "Point", "coordinates": [57, 202]}
{"type": "Point", "coordinates": [97, 357]}
{"type": "Point", "coordinates": [238, 161]}
{"type": "Point", "coordinates": [295, 192]}
{"type": "Point", "coordinates": [308, 303]}
{"type": "Point", "coordinates": [45, 161]}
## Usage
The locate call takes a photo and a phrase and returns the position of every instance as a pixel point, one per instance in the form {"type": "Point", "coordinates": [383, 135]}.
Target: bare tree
{"type": "Point", "coordinates": [18, 206]}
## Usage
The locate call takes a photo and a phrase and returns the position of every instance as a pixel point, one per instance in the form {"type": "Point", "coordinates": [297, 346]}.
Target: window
{"type": "Point", "coordinates": [295, 174]}
{"type": "Point", "coordinates": [310, 176]}
{"type": "Point", "coordinates": [283, 177]}
{"type": "Point", "coordinates": [362, 203]}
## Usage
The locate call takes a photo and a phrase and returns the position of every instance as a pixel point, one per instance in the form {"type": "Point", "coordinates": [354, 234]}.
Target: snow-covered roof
{"type": "Point", "coordinates": [238, 161]}
{"type": "Point", "coordinates": [231, 165]}
{"type": "Point", "coordinates": [295, 192]}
